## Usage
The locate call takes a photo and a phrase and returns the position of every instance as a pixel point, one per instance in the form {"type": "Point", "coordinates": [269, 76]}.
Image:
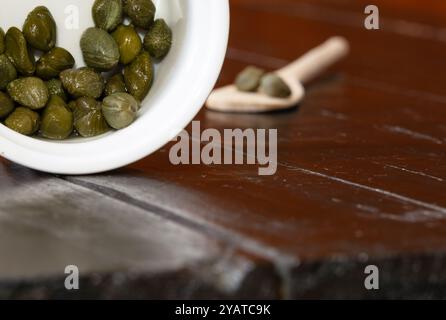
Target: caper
{"type": "Point", "coordinates": [141, 12]}
{"type": "Point", "coordinates": [115, 84]}
{"type": "Point", "coordinates": [18, 52]}
{"type": "Point", "coordinates": [129, 43]}
{"type": "Point", "coordinates": [138, 76]}
{"type": "Point", "coordinates": [103, 47]}
{"type": "Point", "coordinates": [83, 82]}
{"type": "Point", "coordinates": [57, 120]}
{"type": "Point", "coordinates": [56, 88]}
{"type": "Point", "coordinates": [40, 29]}
{"type": "Point", "coordinates": [29, 92]}
{"type": "Point", "coordinates": [52, 63]}
{"type": "Point", "coordinates": [249, 79]}
{"type": "Point", "coordinates": [2, 41]}
{"type": "Point", "coordinates": [6, 105]}
{"type": "Point", "coordinates": [99, 49]}
{"type": "Point", "coordinates": [159, 39]}
{"type": "Point", "coordinates": [7, 72]}
{"type": "Point", "coordinates": [88, 118]}
{"type": "Point", "coordinates": [23, 120]}
{"type": "Point", "coordinates": [107, 14]}
{"type": "Point", "coordinates": [272, 85]}
{"type": "Point", "coordinates": [72, 105]}
{"type": "Point", "coordinates": [120, 110]}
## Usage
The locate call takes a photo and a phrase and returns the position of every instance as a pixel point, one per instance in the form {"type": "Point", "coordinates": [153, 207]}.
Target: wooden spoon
{"type": "Point", "coordinates": [230, 99]}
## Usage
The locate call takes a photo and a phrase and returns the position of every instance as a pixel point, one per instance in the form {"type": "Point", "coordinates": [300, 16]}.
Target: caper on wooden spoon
{"type": "Point", "coordinates": [230, 99]}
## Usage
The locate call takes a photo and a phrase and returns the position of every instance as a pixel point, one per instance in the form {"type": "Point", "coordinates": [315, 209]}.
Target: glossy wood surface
{"type": "Point", "coordinates": [361, 180]}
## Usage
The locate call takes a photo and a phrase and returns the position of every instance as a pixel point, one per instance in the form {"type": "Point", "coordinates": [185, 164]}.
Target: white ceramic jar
{"type": "Point", "coordinates": [183, 82]}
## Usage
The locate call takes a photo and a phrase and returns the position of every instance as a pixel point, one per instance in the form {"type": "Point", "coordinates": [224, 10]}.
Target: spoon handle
{"type": "Point", "coordinates": [317, 60]}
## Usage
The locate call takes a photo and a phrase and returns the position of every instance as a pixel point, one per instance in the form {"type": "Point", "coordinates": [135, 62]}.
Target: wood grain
{"type": "Point", "coordinates": [361, 180]}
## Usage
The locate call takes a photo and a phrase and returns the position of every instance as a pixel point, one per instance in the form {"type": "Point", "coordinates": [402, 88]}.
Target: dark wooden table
{"type": "Point", "coordinates": [360, 181]}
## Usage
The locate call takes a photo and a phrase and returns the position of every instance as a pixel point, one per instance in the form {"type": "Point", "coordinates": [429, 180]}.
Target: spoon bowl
{"type": "Point", "coordinates": [230, 99]}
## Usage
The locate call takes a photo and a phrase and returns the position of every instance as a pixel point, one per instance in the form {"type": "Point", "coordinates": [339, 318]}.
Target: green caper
{"type": "Point", "coordinates": [120, 110]}
{"type": "Point", "coordinates": [272, 85]}
{"type": "Point", "coordinates": [52, 63]}
{"type": "Point", "coordinates": [2, 41]}
{"type": "Point", "coordinates": [18, 52]}
{"type": "Point", "coordinates": [72, 105]}
{"type": "Point", "coordinates": [83, 82]}
{"type": "Point", "coordinates": [7, 72]}
{"type": "Point", "coordinates": [29, 92]}
{"type": "Point", "coordinates": [249, 79]}
{"type": "Point", "coordinates": [56, 88]}
{"type": "Point", "coordinates": [6, 105]}
{"type": "Point", "coordinates": [57, 120]}
{"type": "Point", "coordinates": [23, 120]}
{"type": "Point", "coordinates": [107, 14]}
{"type": "Point", "coordinates": [138, 76]}
{"type": "Point", "coordinates": [88, 118]}
{"type": "Point", "coordinates": [141, 12]}
{"type": "Point", "coordinates": [129, 43]}
{"type": "Point", "coordinates": [158, 40]}
{"type": "Point", "coordinates": [115, 84]}
{"type": "Point", "coordinates": [40, 29]}
{"type": "Point", "coordinates": [99, 49]}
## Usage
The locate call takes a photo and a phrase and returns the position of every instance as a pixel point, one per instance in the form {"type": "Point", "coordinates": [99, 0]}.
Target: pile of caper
{"type": "Point", "coordinates": [50, 98]}
{"type": "Point", "coordinates": [253, 79]}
